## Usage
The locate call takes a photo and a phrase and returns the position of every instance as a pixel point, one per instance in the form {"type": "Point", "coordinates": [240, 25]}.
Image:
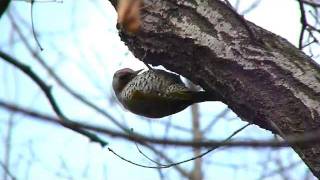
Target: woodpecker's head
{"type": "Point", "coordinates": [122, 77]}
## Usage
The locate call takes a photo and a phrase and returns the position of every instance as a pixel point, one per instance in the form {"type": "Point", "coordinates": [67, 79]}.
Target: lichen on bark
{"type": "Point", "coordinates": [264, 83]}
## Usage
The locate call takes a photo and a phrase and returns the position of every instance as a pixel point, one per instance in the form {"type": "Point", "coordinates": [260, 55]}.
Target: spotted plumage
{"type": "Point", "coordinates": [154, 93]}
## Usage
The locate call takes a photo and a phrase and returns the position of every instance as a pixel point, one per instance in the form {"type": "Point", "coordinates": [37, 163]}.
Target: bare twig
{"type": "Point", "coordinates": [222, 114]}
{"type": "Point", "coordinates": [7, 171]}
{"type": "Point", "coordinates": [47, 91]}
{"type": "Point", "coordinates": [303, 21]}
{"type": "Point", "coordinates": [32, 26]}
{"type": "Point", "coordinates": [61, 82]}
{"type": "Point", "coordinates": [144, 155]}
{"type": "Point", "coordinates": [311, 3]}
{"type": "Point", "coordinates": [281, 169]}
{"type": "Point", "coordinates": [251, 7]}
{"type": "Point", "coordinates": [301, 139]}
{"type": "Point", "coordinates": [7, 146]}
{"type": "Point", "coordinates": [184, 161]}
{"type": "Point", "coordinates": [306, 26]}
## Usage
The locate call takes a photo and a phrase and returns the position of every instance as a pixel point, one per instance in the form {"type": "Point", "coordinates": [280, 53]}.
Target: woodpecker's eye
{"type": "Point", "coordinates": [124, 76]}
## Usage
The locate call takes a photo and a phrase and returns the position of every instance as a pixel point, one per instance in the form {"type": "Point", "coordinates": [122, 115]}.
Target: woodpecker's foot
{"type": "Point", "coordinates": [143, 58]}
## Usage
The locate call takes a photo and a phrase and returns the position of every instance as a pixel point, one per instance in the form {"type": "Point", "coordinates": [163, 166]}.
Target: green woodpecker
{"type": "Point", "coordinates": [155, 93]}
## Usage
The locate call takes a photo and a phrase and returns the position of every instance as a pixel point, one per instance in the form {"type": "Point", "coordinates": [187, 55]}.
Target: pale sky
{"type": "Point", "coordinates": [85, 33]}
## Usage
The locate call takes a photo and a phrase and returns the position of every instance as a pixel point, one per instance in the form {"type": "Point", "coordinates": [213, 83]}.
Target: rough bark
{"type": "Point", "coordinates": [264, 83]}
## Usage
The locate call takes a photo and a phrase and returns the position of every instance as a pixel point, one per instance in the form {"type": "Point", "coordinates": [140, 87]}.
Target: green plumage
{"type": "Point", "coordinates": [155, 93]}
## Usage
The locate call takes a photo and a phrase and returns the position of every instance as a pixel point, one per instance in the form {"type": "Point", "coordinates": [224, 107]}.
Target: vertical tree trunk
{"type": "Point", "coordinates": [196, 173]}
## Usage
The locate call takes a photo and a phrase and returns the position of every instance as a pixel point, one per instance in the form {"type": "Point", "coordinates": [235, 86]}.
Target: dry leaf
{"type": "Point", "coordinates": [129, 15]}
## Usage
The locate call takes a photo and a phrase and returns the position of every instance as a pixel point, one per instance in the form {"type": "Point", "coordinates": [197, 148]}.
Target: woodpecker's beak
{"type": "Point", "coordinates": [138, 71]}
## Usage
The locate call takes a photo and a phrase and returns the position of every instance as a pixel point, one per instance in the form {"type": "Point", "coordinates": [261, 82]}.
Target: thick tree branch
{"type": "Point", "coordinates": [268, 84]}
{"type": "Point", "coordinates": [305, 139]}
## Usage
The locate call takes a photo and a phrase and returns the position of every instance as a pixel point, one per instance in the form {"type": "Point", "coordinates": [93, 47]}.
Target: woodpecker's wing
{"type": "Point", "coordinates": [179, 96]}
{"type": "Point", "coordinates": [176, 78]}
{"type": "Point", "coordinates": [155, 105]}
{"type": "Point", "coordinates": [158, 97]}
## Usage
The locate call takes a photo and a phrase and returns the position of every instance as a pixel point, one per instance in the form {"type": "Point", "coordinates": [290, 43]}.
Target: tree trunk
{"type": "Point", "coordinates": [270, 84]}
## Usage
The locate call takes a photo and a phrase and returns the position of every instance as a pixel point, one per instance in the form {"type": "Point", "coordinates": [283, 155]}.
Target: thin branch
{"type": "Point", "coordinates": [301, 139]}
{"type": "Point", "coordinates": [281, 169]}
{"type": "Point", "coordinates": [304, 24]}
{"type": "Point", "coordinates": [55, 120]}
{"type": "Point", "coordinates": [32, 18]}
{"type": "Point", "coordinates": [251, 7]}
{"type": "Point", "coordinates": [81, 98]}
{"type": "Point", "coordinates": [32, 26]}
{"type": "Point", "coordinates": [160, 166]}
{"type": "Point", "coordinates": [222, 114]}
{"type": "Point", "coordinates": [8, 146]}
{"type": "Point", "coordinates": [311, 3]}
{"type": "Point", "coordinates": [47, 91]}
{"type": "Point", "coordinates": [7, 171]}
{"type": "Point", "coordinates": [61, 82]}
{"type": "Point", "coordinates": [167, 159]}
{"type": "Point", "coordinates": [144, 155]}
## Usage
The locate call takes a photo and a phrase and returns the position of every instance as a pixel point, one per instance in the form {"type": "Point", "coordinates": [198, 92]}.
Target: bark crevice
{"type": "Point", "coordinates": [262, 83]}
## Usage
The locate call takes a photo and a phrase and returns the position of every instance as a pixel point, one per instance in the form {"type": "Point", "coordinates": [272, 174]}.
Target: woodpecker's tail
{"type": "Point", "coordinates": [201, 96]}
